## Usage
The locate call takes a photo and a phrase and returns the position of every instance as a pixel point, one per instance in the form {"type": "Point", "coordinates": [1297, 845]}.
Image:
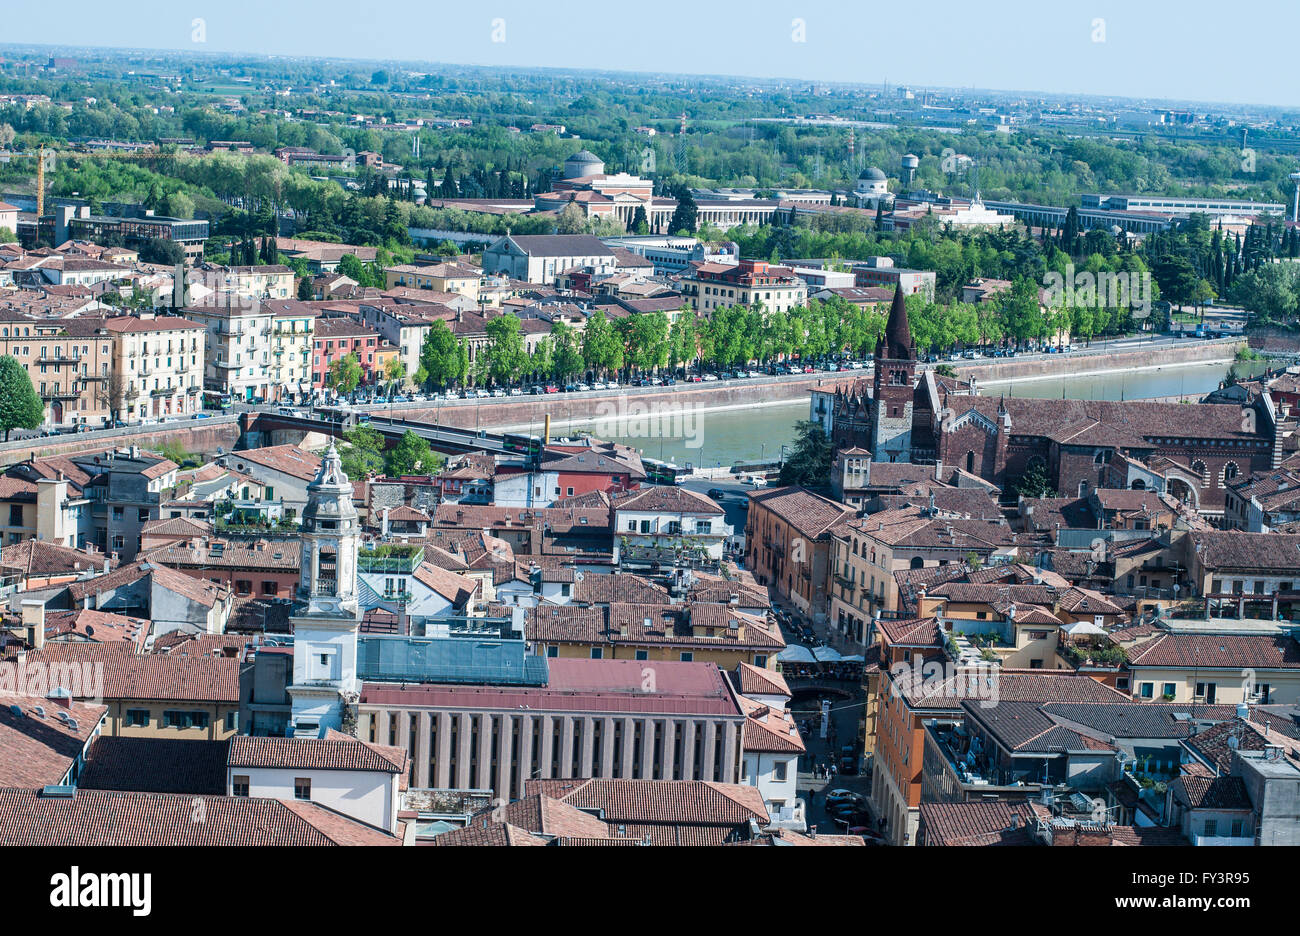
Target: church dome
{"type": "Point", "coordinates": [582, 164]}
{"type": "Point", "coordinates": [872, 174]}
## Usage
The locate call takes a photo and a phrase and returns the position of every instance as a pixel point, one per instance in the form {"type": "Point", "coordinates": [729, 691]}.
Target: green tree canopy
{"type": "Point", "coordinates": [20, 407]}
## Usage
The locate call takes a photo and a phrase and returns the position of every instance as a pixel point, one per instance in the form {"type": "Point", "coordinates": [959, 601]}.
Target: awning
{"type": "Point", "coordinates": [796, 653]}
{"type": "Point", "coordinates": [1079, 628]}
{"type": "Point", "coordinates": [826, 654]}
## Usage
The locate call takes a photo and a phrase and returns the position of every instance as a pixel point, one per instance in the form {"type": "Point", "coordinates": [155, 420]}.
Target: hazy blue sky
{"type": "Point", "coordinates": [1194, 49]}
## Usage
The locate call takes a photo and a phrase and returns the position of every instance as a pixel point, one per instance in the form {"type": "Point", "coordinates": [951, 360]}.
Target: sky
{"type": "Point", "coordinates": [1194, 50]}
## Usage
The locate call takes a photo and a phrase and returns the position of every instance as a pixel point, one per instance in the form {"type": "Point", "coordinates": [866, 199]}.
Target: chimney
{"type": "Point", "coordinates": [34, 619]}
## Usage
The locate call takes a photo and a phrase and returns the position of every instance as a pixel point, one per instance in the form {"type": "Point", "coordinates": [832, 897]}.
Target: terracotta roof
{"type": "Point", "coordinates": [1233, 651]}
{"type": "Point", "coordinates": [336, 751]}
{"type": "Point", "coordinates": [811, 514]}
{"type": "Point", "coordinates": [98, 817]}
{"type": "Point", "coordinates": [454, 587]}
{"type": "Point", "coordinates": [169, 676]}
{"type": "Point", "coordinates": [672, 499]}
{"type": "Point", "coordinates": [977, 823]}
{"type": "Point", "coordinates": [198, 590]}
{"type": "Point", "coordinates": [750, 680]}
{"type": "Point", "coordinates": [533, 819]}
{"type": "Point", "coordinates": [39, 749]}
{"type": "Point", "coordinates": [674, 802]}
{"type": "Point", "coordinates": [1211, 792]}
{"type": "Point", "coordinates": [40, 557]}
{"type": "Point", "coordinates": [287, 459]}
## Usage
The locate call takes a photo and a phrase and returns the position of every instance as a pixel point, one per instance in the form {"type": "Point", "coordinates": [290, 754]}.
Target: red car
{"type": "Point", "coordinates": [551, 388]}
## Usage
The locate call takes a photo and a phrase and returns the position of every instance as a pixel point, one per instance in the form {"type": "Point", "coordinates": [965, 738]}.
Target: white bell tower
{"type": "Point", "coordinates": [325, 627]}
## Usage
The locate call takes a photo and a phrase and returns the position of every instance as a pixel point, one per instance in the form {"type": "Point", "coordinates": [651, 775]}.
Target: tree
{"type": "Point", "coordinates": [412, 455]}
{"type": "Point", "coordinates": [304, 289]}
{"type": "Point", "coordinates": [362, 453]}
{"type": "Point", "coordinates": [602, 349]}
{"type": "Point", "coordinates": [439, 357]}
{"type": "Point", "coordinates": [566, 360]}
{"type": "Point", "coordinates": [161, 251]}
{"type": "Point", "coordinates": [809, 463]}
{"type": "Point", "coordinates": [20, 407]}
{"type": "Point", "coordinates": [504, 357]}
{"type": "Point", "coordinates": [345, 373]}
{"type": "Point", "coordinates": [111, 394]}
{"type": "Point", "coordinates": [394, 373]}
{"type": "Point", "coordinates": [1034, 482]}
{"type": "Point", "coordinates": [686, 213]}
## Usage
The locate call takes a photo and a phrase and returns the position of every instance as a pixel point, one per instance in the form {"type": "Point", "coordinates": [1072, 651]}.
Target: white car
{"type": "Point", "coordinates": [710, 376]}
{"type": "Point", "coordinates": [758, 481]}
{"type": "Point", "coordinates": [598, 386]}
{"type": "Point", "coordinates": [515, 391]}
{"type": "Point", "coordinates": [481, 394]}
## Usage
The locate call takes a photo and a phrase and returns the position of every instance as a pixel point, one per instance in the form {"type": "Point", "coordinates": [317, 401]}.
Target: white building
{"type": "Point", "coordinates": [670, 520]}
{"type": "Point", "coordinates": [772, 744]}
{"type": "Point", "coordinates": [872, 190]}
{"type": "Point", "coordinates": [338, 771]}
{"type": "Point", "coordinates": [325, 633]}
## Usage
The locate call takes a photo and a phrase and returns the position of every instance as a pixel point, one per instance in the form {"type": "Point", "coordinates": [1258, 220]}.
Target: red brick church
{"type": "Point", "coordinates": [906, 414]}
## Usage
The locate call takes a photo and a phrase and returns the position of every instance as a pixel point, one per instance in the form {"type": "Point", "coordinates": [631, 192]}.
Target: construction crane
{"type": "Point", "coordinates": [45, 157]}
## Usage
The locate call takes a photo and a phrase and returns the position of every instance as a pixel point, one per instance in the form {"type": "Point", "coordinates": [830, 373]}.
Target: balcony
{"type": "Point", "coordinates": [59, 394]}
{"type": "Point", "coordinates": [399, 560]}
{"type": "Point", "coordinates": [164, 391]}
{"type": "Point", "coordinates": [60, 357]}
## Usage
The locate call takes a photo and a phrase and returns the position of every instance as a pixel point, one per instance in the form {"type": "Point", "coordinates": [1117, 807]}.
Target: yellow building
{"type": "Point", "coordinates": [181, 694]}
{"type": "Point", "coordinates": [438, 277]}
{"type": "Point", "coordinates": [160, 360]}
{"type": "Point", "coordinates": [1182, 665]}
{"type": "Point", "coordinates": [699, 633]}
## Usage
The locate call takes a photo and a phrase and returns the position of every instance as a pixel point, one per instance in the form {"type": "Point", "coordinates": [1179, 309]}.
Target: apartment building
{"type": "Point", "coordinates": [336, 338]}
{"type": "Point", "coordinates": [239, 344]}
{"type": "Point", "coordinates": [439, 277]}
{"type": "Point", "coordinates": [749, 282]}
{"type": "Point", "coordinates": [161, 360]}
{"type": "Point", "coordinates": [68, 361]}
{"type": "Point", "coordinates": [866, 552]}
{"type": "Point", "coordinates": [293, 325]}
{"type": "Point", "coordinates": [788, 544]}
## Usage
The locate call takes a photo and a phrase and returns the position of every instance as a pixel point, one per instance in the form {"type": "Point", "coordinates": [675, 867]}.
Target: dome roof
{"type": "Point", "coordinates": [872, 173]}
{"type": "Point", "coordinates": [584, 156]}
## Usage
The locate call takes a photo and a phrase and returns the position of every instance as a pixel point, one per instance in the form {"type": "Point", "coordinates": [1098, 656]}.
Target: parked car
{"type": "Point", "coordinates": [716, 493]}
{"type": "Point", "coordinates": [552, 388]}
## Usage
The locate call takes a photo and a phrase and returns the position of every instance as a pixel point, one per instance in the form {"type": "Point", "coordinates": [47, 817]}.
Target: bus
{"type": "Point", "coordinates": [662, 472]}
{"type": "Point", "coordinates": [530, 446]}
{"type": "Point", "coordinates": [216, 400]}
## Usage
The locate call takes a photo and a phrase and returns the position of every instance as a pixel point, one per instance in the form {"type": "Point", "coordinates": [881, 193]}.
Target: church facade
{"type": "Point", "coordinates": [906, 414]}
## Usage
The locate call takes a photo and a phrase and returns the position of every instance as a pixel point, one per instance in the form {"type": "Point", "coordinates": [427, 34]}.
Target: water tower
{"type": "Point", "coordinates": [910, 163]}
{"type": "Point", "coordinates": [1295, 207]}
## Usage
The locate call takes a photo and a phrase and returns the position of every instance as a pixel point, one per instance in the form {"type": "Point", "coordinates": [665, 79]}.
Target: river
{"type": "Point", "coordinates": [719, 438]}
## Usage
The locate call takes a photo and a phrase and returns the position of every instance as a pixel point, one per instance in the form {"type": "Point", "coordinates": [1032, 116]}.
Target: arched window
{"type": "Point", "coordinates": [1230, 471]}
{"type": "Point", "coordinates": [970, 462]}
{"type": "Point", "coordinates": [917, 563]}
{"type": "Point", "coordinates": [1138, 484]}
{"type": "Point", "coordinates": [1199, 467]}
